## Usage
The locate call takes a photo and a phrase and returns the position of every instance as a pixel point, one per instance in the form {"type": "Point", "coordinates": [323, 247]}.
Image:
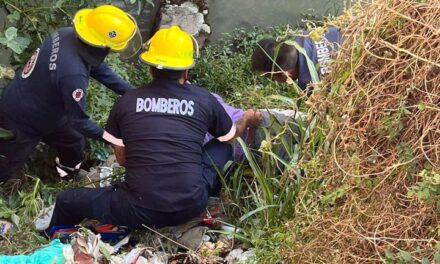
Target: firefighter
{"type": "Point", "coordinates": [46, 100]}
{"type": "Point", "coordinates": [169, 172]}
{"type": "Point", "coordinates": [289, 62]}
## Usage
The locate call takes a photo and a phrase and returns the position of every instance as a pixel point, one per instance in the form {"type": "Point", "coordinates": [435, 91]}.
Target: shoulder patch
{"type": "Point", "coordinates": [30, 65]}
{"type": "Point", "coordinates": [78, 94]}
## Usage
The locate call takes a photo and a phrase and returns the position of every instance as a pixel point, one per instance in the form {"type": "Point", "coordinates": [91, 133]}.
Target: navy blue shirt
{"type": "Point", "coordinates": [163, 126]}
{"type": "Point", "coordinates": [51, 88]}
{"type": "Point", "coordinates": [320, 53]}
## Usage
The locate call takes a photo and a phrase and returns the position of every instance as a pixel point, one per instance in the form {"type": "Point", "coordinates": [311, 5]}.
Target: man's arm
{"type": "Point", "coordinates": [120, 155]}
{"type": "Point", "coordinates": [223, 120]}
{"type": "Point", "coordinates": [110, 79]}
{"type": "Point", "coordinates": [250, 119]}
{"type": "Point", "coordinates": [242, 119]}
{"type": "Point", "coordinates": [113, 127]}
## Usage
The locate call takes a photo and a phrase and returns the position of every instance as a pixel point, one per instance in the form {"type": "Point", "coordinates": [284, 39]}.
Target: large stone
{"type": "Point", "coordinates": [187, 16]}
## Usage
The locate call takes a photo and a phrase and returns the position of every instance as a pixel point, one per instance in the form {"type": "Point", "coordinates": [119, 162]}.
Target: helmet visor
{"type": "Point", "coordinates": [133, 46]}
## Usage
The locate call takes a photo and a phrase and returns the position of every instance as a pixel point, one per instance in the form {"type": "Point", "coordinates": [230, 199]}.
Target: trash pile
{"type": "Point", "coordinates": [200, 240]}
{"type": "Point", "coordinates": [382, 117]}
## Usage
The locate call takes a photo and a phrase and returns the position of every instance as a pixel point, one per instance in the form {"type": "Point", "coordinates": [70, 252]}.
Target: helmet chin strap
{"type": "Point", "coordinates": [92, 55]}
{"type": "Point", "coordinates": [197, 46]}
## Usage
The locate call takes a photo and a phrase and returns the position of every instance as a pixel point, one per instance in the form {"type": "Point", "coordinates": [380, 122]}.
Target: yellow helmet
{"type": "Point", "coordinates": [170, 48]}
{"type": "Point", "coordinates": [105, 26]}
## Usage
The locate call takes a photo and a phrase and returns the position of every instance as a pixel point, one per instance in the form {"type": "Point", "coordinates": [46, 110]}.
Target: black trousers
{"type": "Point", "coordinates": [14, 152]}
{"type": "Point", "coordinates": [113, 205]}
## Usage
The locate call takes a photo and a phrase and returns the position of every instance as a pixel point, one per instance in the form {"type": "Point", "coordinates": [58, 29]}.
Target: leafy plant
{"type": "Point", "coordinates": [11, 39]}
{"type": "Point", "coordinates": [31, 202]}
{"type": "Point", "coordinates": [5, 211]}
{"type": "Point", "coordinates": [34, 20]}
{"type": "Point", "coordinates": [428, 188]}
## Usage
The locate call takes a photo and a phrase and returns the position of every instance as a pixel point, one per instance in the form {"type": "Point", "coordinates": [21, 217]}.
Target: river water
{"type": "Point", "coordinates": [225, 15]}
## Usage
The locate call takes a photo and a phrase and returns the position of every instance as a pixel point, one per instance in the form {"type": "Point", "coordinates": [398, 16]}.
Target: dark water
{"type": "Point", "coordinates": [225, 15]}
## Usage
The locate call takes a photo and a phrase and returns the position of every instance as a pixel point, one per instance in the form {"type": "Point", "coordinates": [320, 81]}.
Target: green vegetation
{"type": "Point", "coordinates": [262, 193]}
{"type": "Point", "coordinates": [361, 182]}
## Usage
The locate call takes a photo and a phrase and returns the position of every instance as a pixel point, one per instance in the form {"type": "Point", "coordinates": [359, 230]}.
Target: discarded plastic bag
{"type": "Point", "coordinates": [5, 226]}
{"type": "Point", "coordinates": [43, 219]}
{"type": "Point", "coordinates": [145, 256]}
{"type": "Point", "coordinates": [53, 253]}
{"type": "Point", "coordinates": [238, 256]}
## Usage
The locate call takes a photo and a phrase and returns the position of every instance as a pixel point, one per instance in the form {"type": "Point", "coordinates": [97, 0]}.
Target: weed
{"type": "Point", "coordinates": [427, 188]}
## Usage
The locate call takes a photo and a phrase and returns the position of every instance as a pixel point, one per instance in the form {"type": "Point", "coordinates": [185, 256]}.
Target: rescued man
{"type": "Point", "coordinates": [169, 173]}
{"type": "Point", "coordinates": [46, 100]}
{"type": "Point", "coordinates": [293, 64]}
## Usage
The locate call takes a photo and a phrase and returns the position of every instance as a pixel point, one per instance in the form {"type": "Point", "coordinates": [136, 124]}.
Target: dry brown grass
{"type": "Point", "coordinates": [383, 124]}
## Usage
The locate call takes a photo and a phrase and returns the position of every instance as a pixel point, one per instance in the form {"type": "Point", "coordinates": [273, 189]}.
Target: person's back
{"type": "Point", "coordinates": [46, 101]}
{"type": "Point", "coordinates": [319, 52]}
{"type": "Point", "coordinates": [35, 91]}
{"type": "Point", "coordinates": [163, 126]}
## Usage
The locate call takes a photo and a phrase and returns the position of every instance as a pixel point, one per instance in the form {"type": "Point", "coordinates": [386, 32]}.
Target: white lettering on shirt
{"type": "Point", "coordinates": [323, 55]}
{"type": "Point", "coordinates": [165, 105]}
{"type": "Point", "coordinates": [54, 52]}
{"type": "Point", "coordinates": [155, 106]}
{"type": "Point", "coordinates": [139, 105]}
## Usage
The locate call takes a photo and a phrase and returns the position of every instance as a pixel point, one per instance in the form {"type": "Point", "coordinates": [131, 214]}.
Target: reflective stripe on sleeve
{"type": "Point", "coordinates": [110, 138]}
{"type": "Point", "coordinates": [229, 136]}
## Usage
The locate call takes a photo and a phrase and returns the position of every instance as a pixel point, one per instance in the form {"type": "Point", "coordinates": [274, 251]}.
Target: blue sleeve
{"type": "Point", "coordinates": [73, 89]}
{"type": "Point", "coordinates": [333, 35]}
{"type": "Point", "coordinates": [110, 79]}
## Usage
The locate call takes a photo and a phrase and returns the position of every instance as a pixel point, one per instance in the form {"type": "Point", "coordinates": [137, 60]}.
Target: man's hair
{"type": "Point", "coordinates": [167, 74]}
{"type": "Point", "coordinates": [286, 58]}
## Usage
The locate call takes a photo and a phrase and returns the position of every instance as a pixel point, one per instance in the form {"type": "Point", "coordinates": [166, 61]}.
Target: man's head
{"type": "Point", "coordinates": [170, 53]}
{"type": "Point", "coordinates": [285, 56]}
{"type": "Point", "coordinates": [106, 27]}
{"type": "Point", "coordinates": [92, 55]}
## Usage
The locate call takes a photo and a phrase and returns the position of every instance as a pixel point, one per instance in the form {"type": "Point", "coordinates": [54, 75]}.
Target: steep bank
{"type": "Point", "coordinates": [378, 178]}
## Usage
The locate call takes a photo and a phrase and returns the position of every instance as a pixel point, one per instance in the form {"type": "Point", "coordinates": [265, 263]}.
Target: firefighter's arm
{"type": "Point", "coordinates": [120, 155]}
{"type": "Point", "coordinates": [74, 99]}
{"type": "Point", "coordinates": [113, 128]}
{"type": "Point", "coordinates": [110, 79]}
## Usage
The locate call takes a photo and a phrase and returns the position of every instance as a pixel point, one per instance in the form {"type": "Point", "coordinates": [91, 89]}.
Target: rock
{"type": "Point", "coordinates": [206, 28]}
{"type": "Point", "coordinates": [238, 256]}
{"type": "Point", "coordinates": [193, 238]}
{"type": "Point", "coordinates": [193, 8]}
{"type": "Point", "coordinates": [185, 16]}
{"type": "Point", "coordinates": [188, 17]}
